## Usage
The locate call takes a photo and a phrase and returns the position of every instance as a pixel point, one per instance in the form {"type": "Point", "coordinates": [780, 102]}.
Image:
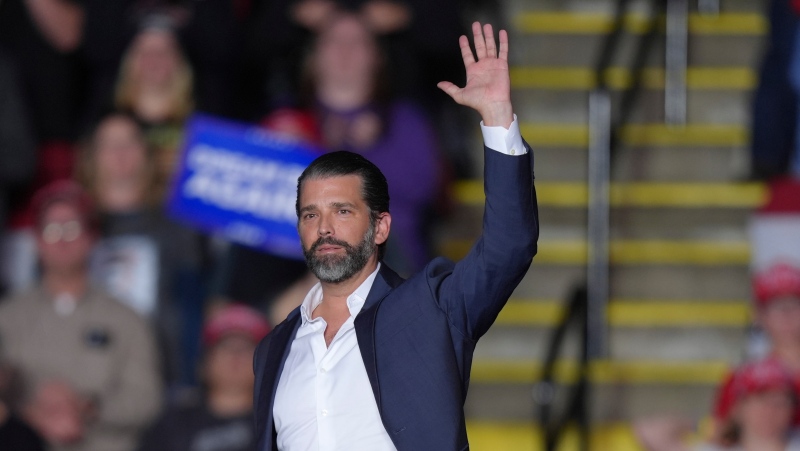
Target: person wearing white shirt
{"type": "Point", "coordinates": [373, 362]}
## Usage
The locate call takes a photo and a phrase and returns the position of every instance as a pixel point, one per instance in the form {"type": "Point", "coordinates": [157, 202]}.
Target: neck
{"type": "Point", "coordinates": [336, 294]}
{"type": "Point", "coordinates": [230, 402]}
{"type": "Point", "coordinates": [121, 195]}
{"type": "Point", "coordinates": [755, 443]}
{"type": "Point", "coordinates": [343, 96]}
{"type": "Point", "coordinates": [66, 281]}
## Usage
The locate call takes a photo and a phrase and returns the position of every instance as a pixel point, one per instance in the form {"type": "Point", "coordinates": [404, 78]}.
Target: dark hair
{"type": "Point", "coordinates": [374, 188]}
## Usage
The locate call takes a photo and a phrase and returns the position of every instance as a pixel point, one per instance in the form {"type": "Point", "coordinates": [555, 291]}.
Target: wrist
{"type": "Point", "coordinates": [499, 114]}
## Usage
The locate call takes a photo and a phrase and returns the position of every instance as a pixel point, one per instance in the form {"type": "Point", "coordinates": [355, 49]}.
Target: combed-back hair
{"type": "Point", "coordinates": [374, 188]}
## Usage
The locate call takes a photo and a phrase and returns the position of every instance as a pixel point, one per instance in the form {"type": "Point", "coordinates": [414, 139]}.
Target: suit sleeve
{"type": "Point", "coordinates": [480, 284]}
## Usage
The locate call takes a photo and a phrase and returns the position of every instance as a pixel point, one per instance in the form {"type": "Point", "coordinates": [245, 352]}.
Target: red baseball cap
{"type": "Point", "coordinates": [63, 191]}
{"type": "Point", "coordinates": [238, 319]}
{"type": "Point", "coordinates": [777, 281]}
{"type": "Point", "coordinates": [765, 375]}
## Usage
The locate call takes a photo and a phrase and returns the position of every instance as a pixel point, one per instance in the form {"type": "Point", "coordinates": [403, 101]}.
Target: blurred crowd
{"type": "Point", "coordinates": [121, 328]}
{"type": "Point", "coordinates": [757, 407]}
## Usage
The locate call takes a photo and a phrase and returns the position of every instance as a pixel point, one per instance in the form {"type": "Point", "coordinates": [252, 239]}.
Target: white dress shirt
{"type": "Point", "coordinates": [324, 400]}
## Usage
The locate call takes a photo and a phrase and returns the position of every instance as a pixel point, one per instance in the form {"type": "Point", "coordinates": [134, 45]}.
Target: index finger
{"type": "Point", "coordinates": [466, 51]}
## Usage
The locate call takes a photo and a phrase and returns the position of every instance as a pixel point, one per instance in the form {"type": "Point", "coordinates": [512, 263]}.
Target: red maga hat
{"type": "Point", "coordinates": [238, 319]}
{"type": "Point", "coordinates": [777, 281]}
{"type": "Point", "coordinates": [63, 191]}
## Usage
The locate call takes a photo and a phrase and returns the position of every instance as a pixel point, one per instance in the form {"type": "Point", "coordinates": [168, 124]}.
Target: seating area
{"type": "Point", "coordinates": [679, 308]}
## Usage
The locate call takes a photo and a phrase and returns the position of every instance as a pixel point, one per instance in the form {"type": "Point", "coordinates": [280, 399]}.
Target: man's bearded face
{"type": "Point", "coordinates": [338, 268]}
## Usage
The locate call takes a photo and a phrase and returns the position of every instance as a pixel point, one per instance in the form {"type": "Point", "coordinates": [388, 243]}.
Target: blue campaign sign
{"type": "Point", "coordinates": [241, 181]}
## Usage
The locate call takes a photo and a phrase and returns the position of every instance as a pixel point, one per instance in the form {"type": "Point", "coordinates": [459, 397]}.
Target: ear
{"type": "Point", "coordinates": [382, 227]}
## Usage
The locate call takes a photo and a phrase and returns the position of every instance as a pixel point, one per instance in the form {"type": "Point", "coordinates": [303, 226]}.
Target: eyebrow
{"type": "Point", "coordinates": [332, 204]}
{"type": "Point", "coordinates": [308, 208]}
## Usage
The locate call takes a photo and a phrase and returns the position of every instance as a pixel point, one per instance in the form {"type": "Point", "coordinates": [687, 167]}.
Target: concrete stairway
{"type": "Point", "coordinates": [680, 282]}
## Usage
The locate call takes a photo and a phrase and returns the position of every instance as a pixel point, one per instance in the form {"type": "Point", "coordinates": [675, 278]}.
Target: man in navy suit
{"type": "Point", "coordinates": [373, 362]}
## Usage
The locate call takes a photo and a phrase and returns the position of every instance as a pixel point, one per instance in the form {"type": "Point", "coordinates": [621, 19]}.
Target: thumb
{"type": "Point", "coordinates": [450, 89]}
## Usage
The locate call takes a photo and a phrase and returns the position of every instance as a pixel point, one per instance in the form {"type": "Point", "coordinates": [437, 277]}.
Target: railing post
{"type": "Point", "coordinates": [676, 62]}
{"type": "Point", "coordinates": [598, 223]}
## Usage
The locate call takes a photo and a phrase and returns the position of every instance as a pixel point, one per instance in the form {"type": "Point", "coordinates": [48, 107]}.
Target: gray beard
{"type": "Point", "coordinates": [335, 268]}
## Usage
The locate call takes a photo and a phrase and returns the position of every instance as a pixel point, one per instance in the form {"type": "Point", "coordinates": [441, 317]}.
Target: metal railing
{"type": "Point", "coordinates": [586, 311]}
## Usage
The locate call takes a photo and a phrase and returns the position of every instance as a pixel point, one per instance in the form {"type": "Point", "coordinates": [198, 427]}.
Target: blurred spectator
{"type": "Point", "coordinates": [42, 38]}
{"type": "Point", "coordinates": [88, 363]}
{"type": "Point", "coordinates": [414, 34]}
{"type": "Point", "coordinates": [777, 294]}
{"type": "Point", "coordinates": [764, 405]}
{"type": "Point", "coordinates": [143, 258]}
{"type": "Point", "coordinates": [156, 86]}
{"type": "Point", "coordinates": [17, 157]}
{"type": "Point", "coordinates": [346, 90]}
{"type": "Point", "coordinates": [211, 32]}
{"type": "Point", "coordinates": [221, 419]}
{"type": "Point", "coordinates": [15, 434]}
{"type": "Point", "coordinates": [348, 107]}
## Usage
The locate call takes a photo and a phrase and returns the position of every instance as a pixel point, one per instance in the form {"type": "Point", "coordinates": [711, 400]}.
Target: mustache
{"type": "Point", "coordinates": [329, 241]}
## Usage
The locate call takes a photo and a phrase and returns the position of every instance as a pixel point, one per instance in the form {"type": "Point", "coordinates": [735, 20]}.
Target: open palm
{"type": "Point", "coordinates": [488, 88]}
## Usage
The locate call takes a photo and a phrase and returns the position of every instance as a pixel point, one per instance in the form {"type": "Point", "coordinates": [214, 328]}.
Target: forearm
{"type": "Point", "coordinates": [60, 21]}
{"type": "Point", "coordinates": [498, 114]}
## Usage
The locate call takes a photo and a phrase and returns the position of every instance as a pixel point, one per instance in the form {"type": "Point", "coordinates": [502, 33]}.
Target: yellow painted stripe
{"type": "Point", "coordinates": [630, 252]}
{"type": "Point", "coordinates": [678, 195]}
{"type": "Point", "coordinates": [635, 313]}
{"type": "Point", "coordinates": [747, 24]}
{"type": "Point", "coordinates": [603, 372]}
{"type": "Point", "coordinates": [640, 135]}
{"type": "Point", "coordinates": [531, 313]}
{"type": "Point", "coordinates": [579, 78]}
{"type": "Point", "coordinates": [691, 135]}
{"type": "Point", "coordinates": [683, 314]}
{"type": "Point", "coordinates": [526, 436]}
{"type": "Point", "coordinates": [556, 135]}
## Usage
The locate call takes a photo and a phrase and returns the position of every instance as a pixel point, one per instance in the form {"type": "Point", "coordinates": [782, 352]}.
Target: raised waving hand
{"type": "Point", "coordinates": [488, 88]}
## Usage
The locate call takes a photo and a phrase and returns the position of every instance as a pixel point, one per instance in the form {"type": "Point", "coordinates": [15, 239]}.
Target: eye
{"type": "Point", "coordinates": [344, 211]}
{"type": "Point", "coordinates": [309, 215]}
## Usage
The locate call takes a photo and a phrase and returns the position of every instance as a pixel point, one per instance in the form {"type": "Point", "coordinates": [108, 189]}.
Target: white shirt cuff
{"type": "Point", "coordinates": [507, 141]}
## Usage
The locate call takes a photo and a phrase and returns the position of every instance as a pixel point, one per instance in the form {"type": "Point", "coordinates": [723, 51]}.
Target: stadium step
{"type": "Point", "coordinates": [593, 23]}
{"type": "Point", "coordinates": [680, 281]}
{"type": "Point", "coordinates": [525, 436]}
{"type": "Point", "coordinates": [640, 135]}
{"type": "Point", "coordinates": [584, 78]}
{"type": "Point", "coordinates": [645, 195]}
{"type": "Point", "coordinates": [630, 252]}
{"type": "Point", "coordinates": [634, 313]}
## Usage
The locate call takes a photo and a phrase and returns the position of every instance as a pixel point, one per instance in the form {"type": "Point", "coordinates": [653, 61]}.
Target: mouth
{"type": "Point", "coordinates": [328, 248]}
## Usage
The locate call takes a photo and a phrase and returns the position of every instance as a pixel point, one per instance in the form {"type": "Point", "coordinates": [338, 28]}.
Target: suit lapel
{"type": "Point", "coordinates": [279, 346]}
{"type": "Point", "coordinates": [364, 324]}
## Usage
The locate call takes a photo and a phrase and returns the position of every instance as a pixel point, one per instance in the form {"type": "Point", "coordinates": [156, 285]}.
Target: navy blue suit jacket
{"type": "Point", "coordinates": [417, 336]}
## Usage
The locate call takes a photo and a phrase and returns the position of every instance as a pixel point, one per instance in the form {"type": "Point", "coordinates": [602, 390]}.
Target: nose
{"type": "Point", "coordinates": [325, 226]}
